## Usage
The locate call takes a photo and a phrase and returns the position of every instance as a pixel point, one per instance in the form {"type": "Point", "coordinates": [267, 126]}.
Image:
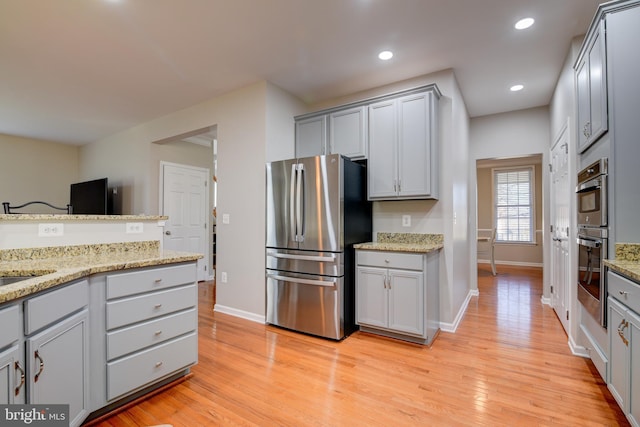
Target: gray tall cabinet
{"type": "Point", "coordinates": [608, 125]}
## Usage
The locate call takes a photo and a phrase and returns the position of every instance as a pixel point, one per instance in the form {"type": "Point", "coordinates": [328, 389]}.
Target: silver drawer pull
{"type": "Point", "coordinates": [157, 306]}
{"type": "Point", "coordinates": [387, 261]}
{"type": "Point", "coordinates": [157, 281]}
{"type": "Point", "coordinates": [623, 292]}
{"type": "Point", "coordinates": [158, 364]}
{"type": "Point", "coordinates": [158, 333]}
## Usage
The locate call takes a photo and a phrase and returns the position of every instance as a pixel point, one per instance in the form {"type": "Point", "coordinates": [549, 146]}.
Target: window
{"type": "Point", "coordinates": [514, 207]}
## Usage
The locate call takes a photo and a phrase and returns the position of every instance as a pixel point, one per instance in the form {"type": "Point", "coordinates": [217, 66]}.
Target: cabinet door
{"type": "Point", "coordinates": [57, 361]}
{"type": "Point", "coordinates": [591, 85]}
{"type": "Point", "coordinates": [311, 136]}
{"type": "Point", "coordinates": [348, 132]}
{"type": "Point", "coordinates": [383, 162]}
{"type": "Point", "coordinates": [584, 109]}
{"type": "Point", "coordinates": [11, 377]}
{"type": "Point", "coordinates": [634, 367]}
{"type": "Point", "coordinates": [371, 297]}
{"type": "Point", "coordinates": [414, 146]}
{"type": "Point", "coordinates": [618, 372]}
{"type": "Point", "coordinates": [597, 85]}
{"type": "Point", "coordinates": [406, 302]}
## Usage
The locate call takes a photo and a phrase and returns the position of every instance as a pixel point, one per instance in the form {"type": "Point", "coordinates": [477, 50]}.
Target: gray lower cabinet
{"type": "Point", "coordinates": [624, 336]}
{"type": "Point", "coordinates": [57, 349]}
{"type": "Point", "coordinates": [12, 372]}
{"type": "Point", "coordinates": [151, 327]}
{"type": "Point", "coordinates": [58, 366]}
{"type": "Point", "coordinates": [396, 294]}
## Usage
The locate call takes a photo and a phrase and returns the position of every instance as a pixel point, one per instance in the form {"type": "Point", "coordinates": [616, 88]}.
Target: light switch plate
{"type": "Point", "coordinates": [406, 220]}
{"type": "Point", "coordinates": [225, 218]}
{"type": "Point", "coordinates": [134, 227]}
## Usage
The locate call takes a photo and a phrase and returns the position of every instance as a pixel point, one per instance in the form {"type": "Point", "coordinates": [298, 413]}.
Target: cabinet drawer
{"type": "Point", "coordinates": [134, 338]}
{"type": "Point", "coordinates": [137, 282]}
{"type": "Point", "coordinates": [10, 321]}
{"type": "Point", "coordinates": [624, 290]}
{"type": "Point", "coordinates": [142, 368]}
{"type": "Point", "coordinates": [47, 308]}
{"type": "Point", "coordinates": [143, 307]}
{"type": "Point", "coordinates": [390, 260]}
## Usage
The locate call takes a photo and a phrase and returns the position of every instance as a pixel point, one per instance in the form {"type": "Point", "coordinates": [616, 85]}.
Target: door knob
{"type": "Point", "coordinates": [168, 233]}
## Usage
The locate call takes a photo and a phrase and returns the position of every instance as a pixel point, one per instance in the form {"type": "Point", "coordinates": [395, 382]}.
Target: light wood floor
{"type": "Point", "coordinates": [508, 364]}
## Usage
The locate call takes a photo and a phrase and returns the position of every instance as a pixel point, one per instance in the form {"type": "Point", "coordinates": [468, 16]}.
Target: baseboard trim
{"type": "Point", "coordinates": [512, 263]}
{"type": "Point", "coordinates": [452, 327]}
{"type": "Point", "coordinates": [239, 313]}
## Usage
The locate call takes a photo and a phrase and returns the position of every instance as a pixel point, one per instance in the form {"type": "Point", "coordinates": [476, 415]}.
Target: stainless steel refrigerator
{"type": "Point", "coordinates": [316, 210]}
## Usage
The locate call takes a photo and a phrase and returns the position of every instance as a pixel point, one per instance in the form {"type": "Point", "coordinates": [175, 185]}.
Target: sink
{"type": "Point", "coordinates": [7, 280]}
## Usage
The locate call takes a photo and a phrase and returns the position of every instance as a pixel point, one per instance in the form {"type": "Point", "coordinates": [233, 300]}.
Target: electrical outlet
{"type": "Point", "coordinates": [406, 220]}
{"type": "Point", "coordinates": [134, 227]}
{"type": "Point", "coordinates": [223, 277]}
{"type": "Point", "coordinates": [50, 230]}
{"type": "Point", "coordinates": [225, 218]}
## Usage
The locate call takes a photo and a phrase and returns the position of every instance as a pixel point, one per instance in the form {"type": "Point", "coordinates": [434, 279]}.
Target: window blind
{"type": "Point", "coordinates": [513, 197]}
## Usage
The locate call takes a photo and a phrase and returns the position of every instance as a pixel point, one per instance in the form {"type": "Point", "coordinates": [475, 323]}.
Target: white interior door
{"type": "Point", "coordinates": [185, 200]}
{"type": "Point", "coordinates": [560, 196]}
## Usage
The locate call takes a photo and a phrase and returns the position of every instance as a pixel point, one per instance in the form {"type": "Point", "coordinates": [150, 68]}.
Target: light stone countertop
{"type": "Point", "coordinates": [58, 265]}
{"type": "Point", "coordinates": [627, 260]}
{"type": "Point", "coordinates": [57, 217]}
{"type": "Point", "coordinates": [404, 242]}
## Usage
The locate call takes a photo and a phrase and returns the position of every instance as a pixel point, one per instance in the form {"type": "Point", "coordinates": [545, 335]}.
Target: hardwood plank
{"type": "Point", "coordinates": [508, 364]}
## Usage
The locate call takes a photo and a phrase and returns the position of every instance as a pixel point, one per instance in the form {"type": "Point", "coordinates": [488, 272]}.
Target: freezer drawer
{"type": "Point", "coordinates": [306, 303]}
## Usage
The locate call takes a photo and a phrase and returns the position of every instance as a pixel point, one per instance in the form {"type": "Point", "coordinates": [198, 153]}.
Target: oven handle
{"type": "Point", "coordinates": [589, 243]}
{"type": "Point", "coordinates": [593, 184]}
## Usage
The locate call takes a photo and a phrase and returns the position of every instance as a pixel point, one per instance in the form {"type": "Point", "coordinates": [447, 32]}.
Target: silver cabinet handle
{"type": "Point", "coordinates": [623, 293]}
{"type": "Point", "coordinates": [157, 306]}
{"type": "Point", "coordinates": [157, 281]}
{"type": "Point", "coordinates": [168, 233]}
{"type": "Point", "coordinates": [158, 364]}
{"type": "Point", "coordinates": [157, 333]}
{"type": "Point", "coordinates": [17, 367]}
{"type": "Point", "coordinates": [37, 376]}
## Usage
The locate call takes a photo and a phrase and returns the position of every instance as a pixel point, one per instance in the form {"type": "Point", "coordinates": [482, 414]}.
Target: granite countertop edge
{"type": "Point", "coordinates": [630, 269]}
{"type": "Point", "coordinates": [49, 273]}
{"type": "Point", "coordinates": [399, 247]}
{"type": "Point", "coordinates": [74, 217]}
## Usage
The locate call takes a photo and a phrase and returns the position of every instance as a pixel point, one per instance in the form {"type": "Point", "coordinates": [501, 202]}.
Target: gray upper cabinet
{"type": "Point", "coordinates": [403, 148]}
{"type": "Point", "coordinates": [311, 136]}
{"type": "Point", "coordinates": [348, 132]}
{"type": "Point", "coordinates": [591, 87]}
{"type": "Point", "coordinates": [342, 131]}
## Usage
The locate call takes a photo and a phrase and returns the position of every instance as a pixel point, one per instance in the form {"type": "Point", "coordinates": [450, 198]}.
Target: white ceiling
{"type": "Point", "coordinates": [77, 71]}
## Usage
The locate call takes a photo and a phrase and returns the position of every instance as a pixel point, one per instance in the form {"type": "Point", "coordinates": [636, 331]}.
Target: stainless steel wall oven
{"type": "Point", "coordinates": [592, 239]}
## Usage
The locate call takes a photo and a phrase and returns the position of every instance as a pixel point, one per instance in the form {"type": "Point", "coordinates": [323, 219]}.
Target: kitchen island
{"type": "Point", "coordinates": [95, 324]}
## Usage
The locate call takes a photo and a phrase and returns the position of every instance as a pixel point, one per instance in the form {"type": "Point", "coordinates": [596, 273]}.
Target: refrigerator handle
{"type": "Point", "coordinates": [292, 197]}
{"type": "Point", "coordinates": [321, 258]}
{"type": "Point", "coordinates": [300, 203]}
{"type": "Point", "coordinates": [328, 283]}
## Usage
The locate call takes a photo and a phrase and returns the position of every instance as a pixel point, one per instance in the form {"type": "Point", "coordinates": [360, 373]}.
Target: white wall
{"type": "Point", "coordinates": [32, 169]}
{"type": "Point", "coordinates": [241, 119]}
{"type": "Point", "coordinates": [430, 216]}
{"type": "Point", "coordinates": [513, 134]}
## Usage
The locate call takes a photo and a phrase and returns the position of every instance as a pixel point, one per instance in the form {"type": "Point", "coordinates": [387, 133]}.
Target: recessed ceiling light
{"type": "Point", "coordinates": [516, 88]}
{"type": "Point", "coordinates": [385, 55]}
{"type": "Point", "coordinates": [524, 23]}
